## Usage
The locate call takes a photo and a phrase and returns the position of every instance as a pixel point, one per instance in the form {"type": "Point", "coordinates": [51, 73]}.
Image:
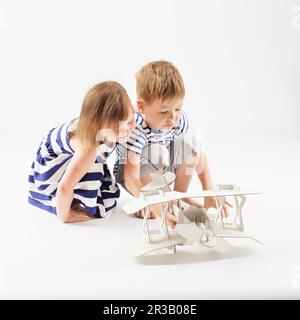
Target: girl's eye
{"type": "Point", "coordinates": [164, 112]}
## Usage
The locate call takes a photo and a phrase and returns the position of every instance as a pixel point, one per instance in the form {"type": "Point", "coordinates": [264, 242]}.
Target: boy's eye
{"type": "Point", "coordinates": [164, 112]}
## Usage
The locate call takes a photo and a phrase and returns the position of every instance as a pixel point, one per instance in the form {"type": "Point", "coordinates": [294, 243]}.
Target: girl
{"type": "Point", "coordinates": [69, 176]}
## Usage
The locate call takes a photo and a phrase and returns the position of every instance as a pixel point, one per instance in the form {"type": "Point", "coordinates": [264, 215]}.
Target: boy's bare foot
{"type": "Point", "coordinates": [211, 202]}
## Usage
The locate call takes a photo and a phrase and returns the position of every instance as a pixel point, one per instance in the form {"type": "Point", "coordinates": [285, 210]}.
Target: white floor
{"type": "Point", "coordinates": [43, 258]}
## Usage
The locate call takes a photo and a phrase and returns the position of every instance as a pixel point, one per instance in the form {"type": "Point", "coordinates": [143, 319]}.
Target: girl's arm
{"type": "Point", "coordinates": [80, 163]}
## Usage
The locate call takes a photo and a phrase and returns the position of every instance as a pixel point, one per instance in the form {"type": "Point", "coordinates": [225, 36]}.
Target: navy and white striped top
{"type": "Point", "coordinates": [142, 135]}
{"type": "Point", "coordinates": [96, 191]}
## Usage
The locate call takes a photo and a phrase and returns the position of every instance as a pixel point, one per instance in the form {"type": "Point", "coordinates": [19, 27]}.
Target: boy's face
{"type": "Point", "coordinates": [161, 115]}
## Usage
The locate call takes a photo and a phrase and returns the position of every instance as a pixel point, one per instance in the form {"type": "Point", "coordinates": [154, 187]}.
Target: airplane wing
{"type": "Point", "coordinates": [159, 181]}
{"type": "Point", "coordinates": [141, 203]}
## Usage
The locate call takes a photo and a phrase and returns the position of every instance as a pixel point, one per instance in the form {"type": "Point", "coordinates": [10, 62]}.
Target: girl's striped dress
{"type": "Point", "coordinates": [96, 192]}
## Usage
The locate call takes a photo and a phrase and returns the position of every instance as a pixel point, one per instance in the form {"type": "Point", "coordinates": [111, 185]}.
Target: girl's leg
{"type": "Point", "coordinates": [77, 216]}
{"type": "Point", "coordinates": [78, 208]}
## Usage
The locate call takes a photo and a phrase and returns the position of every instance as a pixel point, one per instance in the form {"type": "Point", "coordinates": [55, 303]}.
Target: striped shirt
{"type": "Point", "coordinates": [142, 135]}
{"type": "Point", "coordinates": [96, 191]}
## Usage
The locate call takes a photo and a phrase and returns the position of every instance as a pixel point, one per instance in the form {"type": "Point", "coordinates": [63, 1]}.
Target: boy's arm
{"type": "Point", "coordinates": [132, 173]}
{"type": "Point", "coordinates": [204, 173]}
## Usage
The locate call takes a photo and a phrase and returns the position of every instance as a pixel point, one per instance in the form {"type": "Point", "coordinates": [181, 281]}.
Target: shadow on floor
{"type": "Point", "coordinates": [165, 257]}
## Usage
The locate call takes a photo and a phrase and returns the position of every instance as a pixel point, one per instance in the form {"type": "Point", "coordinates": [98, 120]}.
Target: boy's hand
{"type": "Point", "coordinates": [171, 220]}
{"type": "Point", "coordinates": [155, 211]}
{"type": "Point", "coordinates": [211, 202]}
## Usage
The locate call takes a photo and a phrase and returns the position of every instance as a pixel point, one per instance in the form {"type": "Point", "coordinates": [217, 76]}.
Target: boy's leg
{"type": "Point", "coordinates": [205, 178]}
{"type": "Point", "coordinates": [190, 157]}
{"type": "Point", "coordinates": [187, 158]}
{"type": "Point", "coordinates": [146, 168]}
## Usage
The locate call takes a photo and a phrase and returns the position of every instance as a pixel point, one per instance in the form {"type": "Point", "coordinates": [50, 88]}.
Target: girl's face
{"type": "Point", "coordinates": [117, 132]}
{"type": "Point", "coordinates": [124, 128]}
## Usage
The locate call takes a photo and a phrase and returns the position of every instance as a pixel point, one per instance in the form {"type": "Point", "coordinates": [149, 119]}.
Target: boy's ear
{"type": "Point", "coordinates": [141, 106]}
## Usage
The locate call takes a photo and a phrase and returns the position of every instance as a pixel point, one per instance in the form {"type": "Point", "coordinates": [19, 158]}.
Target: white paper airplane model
{"type": "Point", "coordinates": [206, 226]}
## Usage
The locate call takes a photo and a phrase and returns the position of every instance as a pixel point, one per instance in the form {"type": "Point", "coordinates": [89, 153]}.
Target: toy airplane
{"type": "Point", "coordinates": [207, 227]}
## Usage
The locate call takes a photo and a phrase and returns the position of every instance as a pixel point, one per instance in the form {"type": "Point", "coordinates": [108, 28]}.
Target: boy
{"type": "Point", "coordinates": [161, 124]}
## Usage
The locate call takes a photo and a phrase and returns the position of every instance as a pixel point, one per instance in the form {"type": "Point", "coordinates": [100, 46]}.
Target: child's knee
{"type": "Point", "coordinates": [147, 169]}
{"type": "Point", "coordinates": [187, 150]}
{"type": "Point", "coordinates": [155, 154]}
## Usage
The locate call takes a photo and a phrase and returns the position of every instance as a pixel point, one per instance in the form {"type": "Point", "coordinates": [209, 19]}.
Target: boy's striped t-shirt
{"type": "Point", "coordinates": [142, 136]}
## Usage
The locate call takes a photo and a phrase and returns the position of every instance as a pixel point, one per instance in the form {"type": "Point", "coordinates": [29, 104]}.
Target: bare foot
{"type": "Point", "coordinates": [211, 202]}
{"type": "Point", "coordinates": [171, 219]}
{"type": "Point", "coordinates": [77, 216]}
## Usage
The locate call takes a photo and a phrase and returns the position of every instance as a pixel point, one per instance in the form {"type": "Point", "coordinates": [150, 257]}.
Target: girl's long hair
{"type": "Point", "coordinates": [105, 104]}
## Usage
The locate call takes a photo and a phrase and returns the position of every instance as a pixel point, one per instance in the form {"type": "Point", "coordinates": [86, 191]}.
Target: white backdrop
{"type": "Point", "coordinates": [239, 60]}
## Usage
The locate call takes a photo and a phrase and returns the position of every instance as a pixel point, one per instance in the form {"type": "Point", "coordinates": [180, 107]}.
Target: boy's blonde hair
{"type": "Point", "coordinates": [159, 80]}
{"type": "Point", "coordinates": [104, 105]}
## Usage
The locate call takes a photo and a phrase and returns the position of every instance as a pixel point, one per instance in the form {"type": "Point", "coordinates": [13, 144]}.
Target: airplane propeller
{"type": "Point", "coordinates": [196, 228]}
